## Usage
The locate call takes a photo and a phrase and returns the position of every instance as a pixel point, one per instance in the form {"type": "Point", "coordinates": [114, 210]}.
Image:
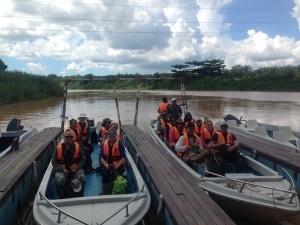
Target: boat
{"type": "Point", "coordinates": [275, 135]}
{"type": "Point", "coordinates": [257, 194]}
{"type": "Point", "coordinates": [10, 140]}
{"type": "Point", "coordinates": [93, 208]}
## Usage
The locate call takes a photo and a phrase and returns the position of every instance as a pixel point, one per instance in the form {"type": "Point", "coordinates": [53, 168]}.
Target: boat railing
{"type": "Point", "coordinates": [244, 183]}
{"type": "Point", "coordinates": [60, 211]}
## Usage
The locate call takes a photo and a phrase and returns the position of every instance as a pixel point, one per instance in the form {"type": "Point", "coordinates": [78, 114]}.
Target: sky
{"type": "Point", "coordinates": [111, 37]}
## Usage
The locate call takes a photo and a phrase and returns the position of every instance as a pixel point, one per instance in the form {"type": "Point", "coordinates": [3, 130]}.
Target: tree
{"type": "Point", "coordinates": [179, 72]}
{"type": "Point", "coordinates": [3, 67]}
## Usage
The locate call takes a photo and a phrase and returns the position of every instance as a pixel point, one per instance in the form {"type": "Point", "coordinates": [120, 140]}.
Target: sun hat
{"type": "Point", "coordinates": [82, 115]}
{"type": "Point", "coordinates": [76, 185]}
{"type": "Point", "coordinates": [106, 120]}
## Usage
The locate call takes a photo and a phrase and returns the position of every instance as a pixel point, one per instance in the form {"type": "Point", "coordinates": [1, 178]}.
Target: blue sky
{"type": "Point", "coordinates": [110, 37]}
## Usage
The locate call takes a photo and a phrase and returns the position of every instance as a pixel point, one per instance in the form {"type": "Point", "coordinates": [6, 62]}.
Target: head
{"type": "Point", "coordinates": [112, 133]}
{"type": "Point", "coordinates": [82, 118]}
{"type": "Point", "coordinates": [106, 122]}
{"type": "Point", "coordinates": [190, 129]}
{"type": "Point", "coordinates": [223, 127]}
{"type": "Point", "coordinates": [209, 125]}
{"type": "Point", "coordinates": [174, 101]}
{"type": "Point", "coordinates": [164, 115]}
{"type": "Point", "coordinates": [68, 137]}
{"type": "Point", "coordinates": [173, 121]}
{"type": "Point", "coordinates": [198, 121]}
{"type": "Point", "coordinates": [164, 99]}
{"type": "Point", "coordinates": [73, 123]}
{"type": "Point", "coordinates": [188, 116]}
{"type": "Point", "coordinates": [179, 123]}
{"type": "Point", "coordinates": [114, 125]}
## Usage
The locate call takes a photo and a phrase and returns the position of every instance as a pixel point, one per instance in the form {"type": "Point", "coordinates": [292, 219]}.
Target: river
{"type": "Point", "coordinates": [267, 107]}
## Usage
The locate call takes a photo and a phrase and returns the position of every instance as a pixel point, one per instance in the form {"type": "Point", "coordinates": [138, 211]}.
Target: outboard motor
{"type": "Point", "coordinates": [232, 117]}
{"type": "Point", "coordinates": [14, 125]}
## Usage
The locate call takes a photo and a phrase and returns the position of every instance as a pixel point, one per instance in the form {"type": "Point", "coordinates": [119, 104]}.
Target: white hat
{"type": "Point", "coordinates": [82, 115]}
{"type": "Point", "coordinates": [174, 99]}
{"type": "Point", "coordinates": [76, 185]}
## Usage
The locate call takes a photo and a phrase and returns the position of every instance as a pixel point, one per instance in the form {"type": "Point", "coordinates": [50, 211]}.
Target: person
{"type": "Point", "coordinates": [163, 106]}
{"type": "Point", "coordinates": [174, 110]}
{"type": "Point", "coordinates": [162, 127]}
{"type": "Point", "coordinates": [189, 148]}
{"type": "Point", "coordinates": [115, 126]}
{"type": "Point", "coordinates": [85, 139]}
{"type": "Point", "coordinates": [199, 126]}
{"type": "Point", "coordinates": [208, 131]}
{"type": "Point", "coordinates": [225, 146]}
{"type": "Point", "coordinates": [105, 126]}
{"type": "Point", "coordinates": [68, 160]}
{"type": "Point", "coordinates": [188, 118]}
{"type": "Point", "coordinates": [175, 133]}
{"type": "Point", "coordinates": [112, 159]}
{"type": "Point", "coordinates": [14, 125]}
{"type": "Point", "coordinates": [73, 128]}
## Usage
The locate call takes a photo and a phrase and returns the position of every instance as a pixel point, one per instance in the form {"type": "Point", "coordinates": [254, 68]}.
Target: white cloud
{"type": "Point", "coordinates": [137, 36]}
{"type": "Point", "coordinates": [36, 68]}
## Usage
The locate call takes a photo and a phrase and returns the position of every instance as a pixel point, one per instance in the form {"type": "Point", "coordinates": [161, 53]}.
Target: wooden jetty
{"type": "Point", "coordinates": [175, 196]}
{"type": "Point", "coordinates": [274, 157]}
{"type": "Point", "coordinates": [22, 170]}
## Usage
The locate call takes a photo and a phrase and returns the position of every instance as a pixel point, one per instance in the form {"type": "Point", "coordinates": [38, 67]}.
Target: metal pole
{"type": "Point", "coordinates": [137, 103]}
{"type": "Point", "coordinates": [117, 105]}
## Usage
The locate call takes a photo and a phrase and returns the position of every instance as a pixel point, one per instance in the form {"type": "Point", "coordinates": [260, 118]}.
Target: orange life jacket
{"type": "Point", "coordinates": [208, 135]}
{"type": "Point", "coordinates": [83, 132]}
{"type": "Point", "coordinates": [61, 158]}
{"type": "Point", "coordinates": [75, 134]}
{"type": "Point", "coordinates": [103, 132]}
{"type": "Point", "coordinates": [198, 130]}
{"type": "Point", "coordinates": [186, 142]}
{"type": "Point", "coordinates": [162, 125]}
{"type": "Point", "coordinates": [177, 133]}
{"type": "Point", "coordinates": [163, 107]}
{"type": "Point", "coordinates": [115, 156]}
{"type": "Point", "coordinates": [221, 140]}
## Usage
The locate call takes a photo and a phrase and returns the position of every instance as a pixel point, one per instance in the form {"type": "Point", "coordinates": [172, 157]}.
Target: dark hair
{"type": "Point", "coordinates": [72, 120]}
{"type": "Point", "coordinates": [165, 99]}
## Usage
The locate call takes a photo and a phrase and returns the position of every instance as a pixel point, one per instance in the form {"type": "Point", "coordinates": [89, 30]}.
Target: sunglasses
{"type": "Point", "coordinates": [68, 136]}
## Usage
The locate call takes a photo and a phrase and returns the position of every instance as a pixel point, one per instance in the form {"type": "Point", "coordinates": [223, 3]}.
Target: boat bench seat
{"type": "Point", "coordinates": [239, 175]}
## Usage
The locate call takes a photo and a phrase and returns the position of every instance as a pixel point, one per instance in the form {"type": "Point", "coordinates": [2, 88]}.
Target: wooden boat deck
{"type": "Point", "coordinates": [275, 154]}
{"type": "Point", "coordinates": [14, 166]}
{"type": "Point", "coordinates": [186, 202]}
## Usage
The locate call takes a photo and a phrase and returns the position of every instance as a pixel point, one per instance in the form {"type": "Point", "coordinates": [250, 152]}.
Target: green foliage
{"type": "Point", "coordinates": [17, 86]}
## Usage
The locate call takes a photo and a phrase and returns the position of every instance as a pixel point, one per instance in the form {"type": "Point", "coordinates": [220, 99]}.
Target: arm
{"type": "Point", "coordinates": [179, 147]}
{"type": "Point", "coordinates": [203, 141]}
{"type": "Point", "coordinates": [56, 166]}
{"type": "Point", "coordinates": [172, 137]}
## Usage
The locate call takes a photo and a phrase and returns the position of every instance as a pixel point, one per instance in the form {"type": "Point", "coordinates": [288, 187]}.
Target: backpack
{"type": "Point", "coordinates": [120, 185]}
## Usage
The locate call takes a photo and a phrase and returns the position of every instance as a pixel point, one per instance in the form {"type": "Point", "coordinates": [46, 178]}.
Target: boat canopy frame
{"type": "Point", "coordinates": [113, 81]}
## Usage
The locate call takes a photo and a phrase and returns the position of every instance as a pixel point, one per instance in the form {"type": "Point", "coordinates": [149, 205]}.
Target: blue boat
{"type": "Point", "coordinates": [92, 208]}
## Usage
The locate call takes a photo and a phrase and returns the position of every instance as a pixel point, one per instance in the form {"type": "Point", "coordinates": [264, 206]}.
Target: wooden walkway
{"type": "Point", "coordinates": [184, 201]}
{"type": "Point", "coordinates": [16, 165]}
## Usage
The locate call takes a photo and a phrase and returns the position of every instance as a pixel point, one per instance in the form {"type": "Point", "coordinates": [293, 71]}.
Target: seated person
{"type": "Point", "coordinates": [190, 149]}
{"type": "Point", "coordinates": [175, 133]}
{"type": "Point", "coordinates": [162, 127]}
{"type": "Point", "coordinates": [112, 159]}
{"type": "Point", "coordinates": [68, 160]}
{"type": "Point", "coordinates": [225, 146]}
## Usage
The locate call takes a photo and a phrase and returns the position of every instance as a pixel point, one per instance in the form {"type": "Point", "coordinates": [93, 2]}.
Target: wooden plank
{"type": "Point", "coordinates": [187, 202]}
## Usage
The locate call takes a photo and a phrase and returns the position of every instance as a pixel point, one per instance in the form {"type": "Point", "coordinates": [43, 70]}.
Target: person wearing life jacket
{"type": "Point", "coordinates": [73, 128]}
{"type": "Point", "coordinates": [106, 122]}
{"type": "Point", "coordinates": [163, 106]}
{"type": "Point", "coordinates": [162, 127]}
{"type": "Point", "coordinates": [112, 159]}
{"type": "Point", "coordinates": [115, 126]}
{"type": "Point", "coordinates": [188, 118]}
{"type": "Point", "coordinates": [68, 160]}
{"type": "Point", "coordinates": [190, 149]}
{"type": "Point", "coordinates": [225, 147]}
{"type": "Point", "coordinates": [175, 133]}
{"type": "Point", "coordinates": [85, 139]}
{"type": "Point", "coordinates": [199, 126]}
